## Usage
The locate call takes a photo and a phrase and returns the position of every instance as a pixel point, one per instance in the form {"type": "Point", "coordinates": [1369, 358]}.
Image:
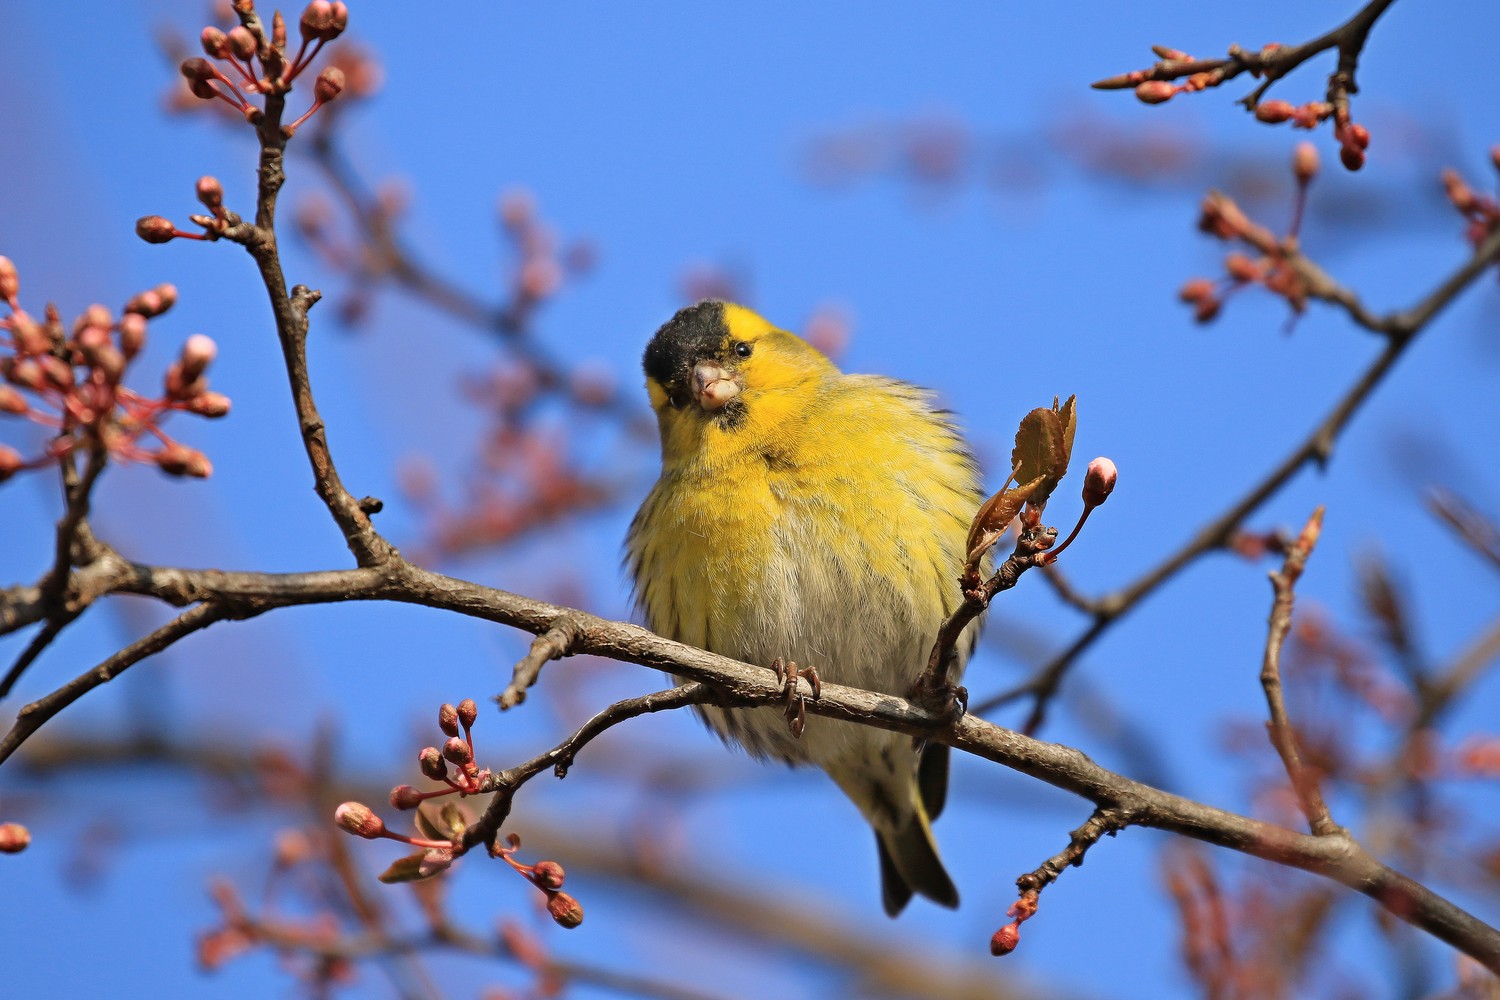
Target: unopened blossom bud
{"type": "Point", "coordinates": [330, 84]}
{"type": "Point", "coordinates": [215, 42]}
{"type": "Point", "coordinates": [1352, 157]}
{"type": "Point", "coordinates": [210, 192]}
{"type": "Point", "coordinates": [59, 373]}
{"type": "Point", "coordinates": [1358, 135]}
{"type": "Point", "coordinates": [132, 333]}
{"type": "Point", "coordinates": [517, 208]}
{"type": "Point", "coordinates": [1196, 290]}
{"type": "Point", "coordinates": [94, 315]}
{"type": "Point", "coordinates": [10, 281]}
{"type": "Point", "coordinates": [1241, 268]}
{"type": "Point", "coordinates": [197, 352]}
{"type": "Point", "coordinates": [1459, 192]}
{"type": "Point", "coordinates": [468, 711]}
{"type": "Point", "coordinates": [340, 19]}
{"type": "Point", "coordinates": [431, 762]}
{"type": "Point", "coordinates": [1305, 162]}
{"type": "Point", "coordinates": [1099, 481]}
{"type": "Point", "coordinates": [278, 30]}
{"type": "Point", "coordinates": [540, 277]}
{"type": "Point", "coordinates": [24, 372]}
{"type": "Point", "coordinates": [317, 19]}
{"type": "Point", "coordinates": [549, 874]}
{"type": "Point", "coordinates": [179, 460]}
{"type": "Point", "coordinates": [457, 752]}
{"type": "Point", "coordinates": [565, 910]}
{"type": "Point", "coordinates": [1274, 112]}
{"type": "Point", "coordinates": [209, 404]}
{"type": "Point", "coordinates": [358, 819]}
{"type": "Point", "coordinates": [10, 464]}
{"type": "Point", "coordinates": [448, 719]}
{"type": "Point", "coordinates": [154, 229]}
{"type": "Point", "coordinates": [12, 402]}
{"type": "Point", "coordinates": [1155, 91]}
{"type": "Point", "coordinates": [1005, 940]}
{"type": "Point", "coordinates": [145, 304]}
{"type": "Point", "coordinates": [242, 43]}
{"type": "Point", "coordinates": [1208, 309]}
{"type": "Point", "coordinates": [14, 838]}
{"type": "Point", "coordinates": [405, 797]}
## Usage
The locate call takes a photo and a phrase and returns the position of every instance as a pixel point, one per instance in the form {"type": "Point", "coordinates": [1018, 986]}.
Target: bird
{"type": "Point", "coordinates": [812, 516]}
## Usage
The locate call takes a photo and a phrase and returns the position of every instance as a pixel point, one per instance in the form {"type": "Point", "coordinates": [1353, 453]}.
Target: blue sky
{"type": "Point", "coordinates": [673, 136]}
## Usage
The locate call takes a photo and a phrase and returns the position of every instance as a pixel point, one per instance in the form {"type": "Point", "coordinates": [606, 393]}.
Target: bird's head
{"type": "Point", "coordinates": [719, 375]}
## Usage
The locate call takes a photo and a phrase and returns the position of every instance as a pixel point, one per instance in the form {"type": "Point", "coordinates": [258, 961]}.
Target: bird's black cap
{"type": "Point", "coordinates": [695, 333]}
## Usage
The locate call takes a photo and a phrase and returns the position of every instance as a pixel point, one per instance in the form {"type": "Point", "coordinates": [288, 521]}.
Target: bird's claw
{"type": "Point", "coordinates": [788, 673]}
{"type": "Point", "coordinates": [949, 702]}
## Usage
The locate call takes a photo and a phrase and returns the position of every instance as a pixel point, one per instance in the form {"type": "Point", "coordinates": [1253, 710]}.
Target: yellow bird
{"type": "Point", "coordinates": [814, 516]}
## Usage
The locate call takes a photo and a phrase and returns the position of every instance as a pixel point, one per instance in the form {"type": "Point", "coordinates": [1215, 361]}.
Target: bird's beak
{"type": "Point", "coordinates": [713, 387]}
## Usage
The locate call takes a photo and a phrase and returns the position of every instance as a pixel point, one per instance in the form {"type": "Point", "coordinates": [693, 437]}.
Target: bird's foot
{"type": "Point", "coordinates": [788, 673]}
{"type": "Point", "coordinates": [949, 702]}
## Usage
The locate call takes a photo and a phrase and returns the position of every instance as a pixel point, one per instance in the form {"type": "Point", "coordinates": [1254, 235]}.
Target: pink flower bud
{"type": "Point", "coordinates": [431, 762]}
{"type": "Point", "coordinates": [179, 460]}
{"type": "Point", "coordinates": [1305, 162]}
{"type": "Point", "coordinates": [12, 402]}
{"type": "Point", "coordinates": [278, 31]}
{"type": "Point", "coordinates": [133, 332]}
{"type": "Point", "coordinates": [467, 713]}
{"type": "Point", "coordinates": [1208, 309]}
{"type": "Point", "coordinates": [1196, 290]}
{"type": "Point", "coordinates": [58, 373]}
{"type": "Point", "coordinates": [549, 874]}
{"type": "Point", "coordinates": [1274, 112]}
{"type": "Point", "coordinates": [1155, 91]}
{"type": "Point", "coordinates": [330, 84]}
{"type": "Point", "coordinates": [198, 351]}
{"type": "Point", "coordinates": [405, 797]}
{"type": "Point", "coordinates": [1241, 268]}
{"type": "Point", "coordinates": [95, 315]}
{"type": "Point", "coordinates": [340, 20]}
{"type": "Point", "coordinates": [1099, 481]}
{"type": "Point", "coordinates": [209, 404]}
{"type": "Point", "coordinates": [1459, 193]}
{"type": "Point", "coordinates": [358, 819]}
{"type": "Point", "coordinates": [1005, 940]}
{"type": "Point", "coordinates": [448, 721]}
{"type": "Point", "coordinates": [10, 281]}
{"type": "Point", "coordinates": [317, 19]}
{"type": "Point", "coordinates": [242, 43]}
{"type": "Point", "coordinates": [565, 910]}
{"type": "Point", "coordinates": [1352, 157]}
{"type": "Point", "coordinates": [210, 192]}
{"type": "Point", "coordinates": [457, 752]}
{"type": "Point", "coordinates": [540, 277]}
{"type": "Point", "coordinates": [10, 464]}
{"type": "Point", "coordinates": [154, 229]}
{"type": "Point", "coordinates": [14, 838]}
{"type": "Point", "coordinates": [215, 42]}
{"type": "Point", "coordinates": [1358, 135]}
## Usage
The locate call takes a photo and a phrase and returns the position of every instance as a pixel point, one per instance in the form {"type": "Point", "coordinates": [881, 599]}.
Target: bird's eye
{"type": "Point", "coordinates": [742, 349]}
{"type": "Point", "coordinates": [678, 400]}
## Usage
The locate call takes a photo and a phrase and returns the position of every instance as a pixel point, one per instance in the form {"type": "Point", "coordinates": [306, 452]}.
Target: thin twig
{"type": "Point", "coordinates": [553, 644]}
{"type": "Point", "coordinates": [33, 716]}
{"type": "Point", "coordinates": [1283, 736]}
{"type": "Point", "coordinates": [1102, 822]}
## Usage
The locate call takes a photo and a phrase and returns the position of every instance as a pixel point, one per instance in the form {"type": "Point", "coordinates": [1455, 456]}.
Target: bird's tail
{"type": "Point", "coordinates": [909, 863]}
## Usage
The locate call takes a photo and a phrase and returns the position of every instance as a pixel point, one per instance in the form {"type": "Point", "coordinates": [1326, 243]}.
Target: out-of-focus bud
{"type": "Point", "coordinates": [292, 847]}
{"type": "Point", "coordinates": [278, 31]}
{"type": "Point", "coordinates": [517, 208]}
{"type": "Point", "coordinates": [210, 192]}
{"type": "Point", "coordinates": [198, 351]}
{"type": "Point", "coordinates": [358, 819]}
{"type": "Point", "coordinates": [1358, 135]}
{"type": "Point", "coordinates": [10, 464]}
{"type": "Point", "coordinates": [549, 874]}
{"type": "Point", "coordinates": [1352, 157]}
{"type": "Point", "coordinates": [468, 711]}
{"type": "Point", "coordinates": [1099, 481]}
{"type": "Point", "coordinates": [14, 838]}
{"type": "Point", "coordinates": [1305, 162]}
{"type": "Point", "coordinates": [59, 373]}
{"type": "Point", "coordinates": [565, 910]}
{"type": "Point", "coordinates": [330, 84]}
{"type": "Point", "coordinates": [448, 720]}
{"type": "Point", "coordinates": [209, 404]}
{"type": "Point", "coordinates": [540, 277]}
{"type": "Point", "coordinates": [242, 43]}
{"type": "Point", "coordinates": [1208, 309]}
{"type": "Point", "coordinates": [1459, 192]}
{"type": "Point", "coordinates": [132, 333]}
{"type": "Point", "coordinates": [215, 42]}
{"type": "Point", "coordinates": [1005, 940]}
{"type": "Point", "coordinates": [431, 762]}
{"type": "Point", "coordinates": [1241, 268]}
{"type": "Point", "coordinates": [179, 460]}
{"type": "Point", "coordinates": [1155, 91]}
{"type": "Point", "coordinates": [200, 75]}
{"type": "Point", "coordinates": [12, 402]}
{"type": "Point", "coordinates": [1274, 112]}
{"type": "Point", "coordinates": [30, 336]}
{"type": "Point", "coordinates": [340, 19]}
{"type": "Point", "coordinates": [456, 751]}
{"type": "Point", "coordinates": [94, 315]}
{"type": "Point", "coordinates": [154, 229]}
{"type": "Point", "coordinates": [1196, 290]}
{"type": "Point", "coordinates": [10, 281]}
{"type": "Point", "coordinates": [405, 797]}
{"type": "Point", "coordinates": [1307, 116]}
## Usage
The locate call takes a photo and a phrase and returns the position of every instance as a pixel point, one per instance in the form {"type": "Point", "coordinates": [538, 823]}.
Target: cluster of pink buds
{"type": "Point", "coordinates": [1271, 267]}
{"type": "Point", "coordinates": [1154, 85]}
{"type": "Point", "coordinates": [1004, 941]}
{"type": "Point", "coordinates": [258, 61]}
{"type": "Point", "coordinates": [1481, 212]}
{"type": "Point", "coordinates": [69, 378]}
{"type": "Point", "coordinates": [548, 877]}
